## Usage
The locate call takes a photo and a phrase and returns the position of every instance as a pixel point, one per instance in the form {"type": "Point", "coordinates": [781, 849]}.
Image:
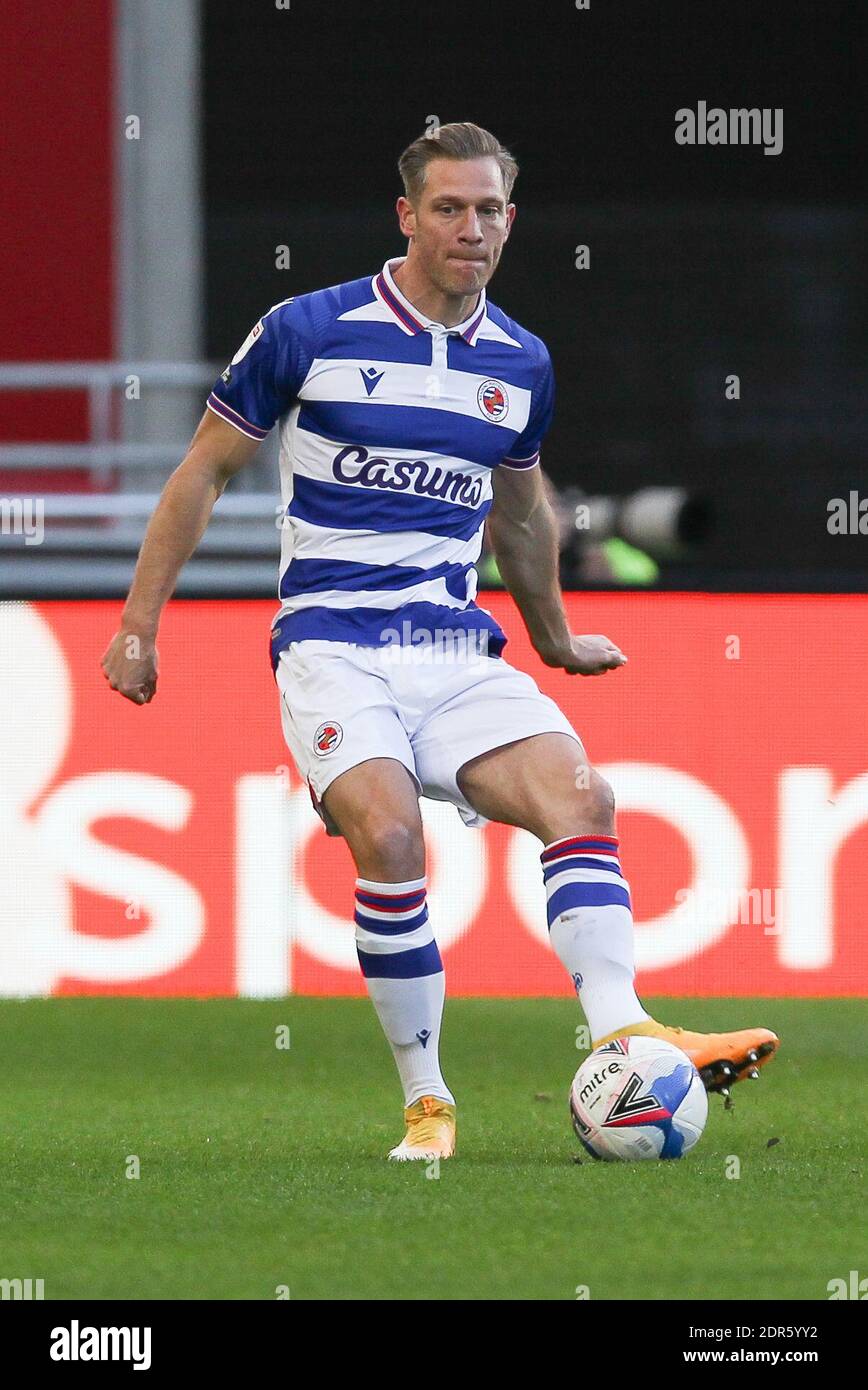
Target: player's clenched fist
{"type": "Point", "coordinates": [130, 666]}
{"type": "Point", "coordinates": [591, 655]}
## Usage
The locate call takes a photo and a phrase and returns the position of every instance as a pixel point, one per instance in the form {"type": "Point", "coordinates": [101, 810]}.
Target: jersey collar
{"type": "Point", "coordinates": [410, 319]}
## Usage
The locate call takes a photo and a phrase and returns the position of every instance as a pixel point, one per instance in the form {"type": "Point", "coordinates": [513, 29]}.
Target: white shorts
{"type": "Point", "coordinates": [342, 704]}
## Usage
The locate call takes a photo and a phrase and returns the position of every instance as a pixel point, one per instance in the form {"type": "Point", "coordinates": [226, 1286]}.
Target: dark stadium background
{"type": "Point", "coordinates": [705, 261]}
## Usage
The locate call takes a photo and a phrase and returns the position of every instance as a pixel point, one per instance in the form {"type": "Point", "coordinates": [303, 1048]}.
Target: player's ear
{"type": "Point", "coordinates": [510, 218]}
{"type": "Point", "coordinates": [406, 216]}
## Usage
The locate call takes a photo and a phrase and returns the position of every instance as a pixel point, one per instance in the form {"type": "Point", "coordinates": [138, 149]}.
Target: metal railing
{"type": "Point", "coordinates": [89, 540]}
{"type": "Point", "coordinates": [100, 381]}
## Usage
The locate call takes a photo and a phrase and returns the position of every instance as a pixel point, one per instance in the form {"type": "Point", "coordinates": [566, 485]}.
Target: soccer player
{"type": "Point", "coordinates": [411, 409]}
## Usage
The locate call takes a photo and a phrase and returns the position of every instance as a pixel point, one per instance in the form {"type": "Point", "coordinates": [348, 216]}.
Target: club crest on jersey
{"type": "Point", "coordinates": [493, 400]}
{"type": "Point", "coordinates": [327, 738]}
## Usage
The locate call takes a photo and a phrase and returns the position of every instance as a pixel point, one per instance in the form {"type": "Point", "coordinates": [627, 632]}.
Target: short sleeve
{"type": "Point", "coordinates": [263, 378]}
{"type": "Point", "coordinates": [525, 451]}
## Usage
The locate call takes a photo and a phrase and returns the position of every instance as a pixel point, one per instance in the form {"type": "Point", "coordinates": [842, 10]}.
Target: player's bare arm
{"type": "Point", "coordinates": [217, 452]}
{"type": "Point", "coordinates": [523, 533]}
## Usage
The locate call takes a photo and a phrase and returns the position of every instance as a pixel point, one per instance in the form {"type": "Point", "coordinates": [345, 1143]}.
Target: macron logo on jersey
{"type": "Point", "coordinates": [371, 377]}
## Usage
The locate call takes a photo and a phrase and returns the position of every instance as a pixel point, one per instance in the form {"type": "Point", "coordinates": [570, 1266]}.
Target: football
{"type": "Point", "coordinates": [638, 1097]}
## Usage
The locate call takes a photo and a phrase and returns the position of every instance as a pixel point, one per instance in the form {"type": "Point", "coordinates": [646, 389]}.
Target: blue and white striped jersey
{"type": "Point", "coordinates": [390, 428]}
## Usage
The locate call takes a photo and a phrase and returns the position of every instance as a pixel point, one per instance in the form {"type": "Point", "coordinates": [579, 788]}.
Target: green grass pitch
{"type": "Point", "coordinates": [263, 1167]}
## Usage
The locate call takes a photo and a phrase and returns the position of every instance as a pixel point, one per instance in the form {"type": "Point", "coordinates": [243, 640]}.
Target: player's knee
{"type": "Point", "coordinates": [388, 847]}
{"type": "Point", "coordinates": [596, 799]}
{"type": "Point", "coordinates": [588, 807]}
{"type": "Point", "coordinates": [604, 797]}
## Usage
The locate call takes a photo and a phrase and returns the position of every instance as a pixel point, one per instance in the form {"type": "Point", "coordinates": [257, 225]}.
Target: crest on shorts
{"type": "Point", "coordinates": [327, 738]}
{"type": "Point", "coordinates": [493, 400]}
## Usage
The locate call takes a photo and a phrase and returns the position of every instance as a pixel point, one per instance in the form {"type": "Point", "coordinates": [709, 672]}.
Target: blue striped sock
{"type": "Point", "coordinates": [591, 927]}
{"type": "Point", "coordinates": [404, 975]}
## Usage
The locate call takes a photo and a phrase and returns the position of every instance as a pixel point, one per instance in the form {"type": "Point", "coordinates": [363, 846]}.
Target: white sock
{"type": "Point", "coordinates": [404, 975]}
{"type": "Point", "coordinates": [591, 928]}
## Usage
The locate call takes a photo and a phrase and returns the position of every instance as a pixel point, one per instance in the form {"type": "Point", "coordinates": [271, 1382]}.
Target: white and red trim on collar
{"type": "Point", "coordinates": [409, 318]}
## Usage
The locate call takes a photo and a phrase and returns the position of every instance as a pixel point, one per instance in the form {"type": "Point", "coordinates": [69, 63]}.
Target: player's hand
{"type": "Point", "coordinates": [590, 655]}
{"type": "Point", "coordinates": [130, 666]}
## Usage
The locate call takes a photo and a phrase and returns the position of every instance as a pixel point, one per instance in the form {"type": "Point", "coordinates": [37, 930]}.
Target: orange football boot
{"type": "Point", "coordinates": [721, 1059]}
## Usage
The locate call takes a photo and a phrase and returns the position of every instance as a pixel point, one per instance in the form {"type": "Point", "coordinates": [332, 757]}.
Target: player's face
{"type": "Point", "coordinates": [459, 224]}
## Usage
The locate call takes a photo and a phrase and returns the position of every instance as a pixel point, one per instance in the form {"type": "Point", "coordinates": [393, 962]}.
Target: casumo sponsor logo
{"type": "Point", "coordinates": [77, 1343]}
{"type": "Point", "coordinates": [406, 475]}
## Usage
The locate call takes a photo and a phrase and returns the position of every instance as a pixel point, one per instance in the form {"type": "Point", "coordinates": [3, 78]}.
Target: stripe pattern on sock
{"type": "Point", "coordinates": [583, 871]}
{"type": "Point", "coordinates": [394, 939]}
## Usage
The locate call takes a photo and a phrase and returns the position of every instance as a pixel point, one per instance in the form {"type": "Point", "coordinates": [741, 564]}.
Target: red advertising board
{"type": "Point", "coordinates": [171, 849]}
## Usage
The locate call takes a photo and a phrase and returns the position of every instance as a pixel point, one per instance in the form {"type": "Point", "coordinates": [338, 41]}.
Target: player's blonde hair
{"type": "Point", "coordinates": [458, 140]}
